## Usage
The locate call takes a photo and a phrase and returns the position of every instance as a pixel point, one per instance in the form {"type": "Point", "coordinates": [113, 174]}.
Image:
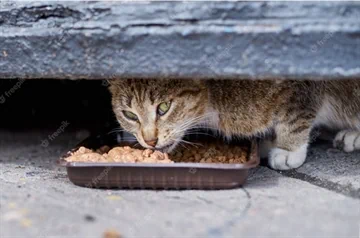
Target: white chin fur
{"type": "Point", "coordinates": [284, 160]}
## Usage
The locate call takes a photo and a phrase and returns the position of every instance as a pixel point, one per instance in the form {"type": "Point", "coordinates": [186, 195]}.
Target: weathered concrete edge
{"type": "Point", "coordinates": [175, 46]}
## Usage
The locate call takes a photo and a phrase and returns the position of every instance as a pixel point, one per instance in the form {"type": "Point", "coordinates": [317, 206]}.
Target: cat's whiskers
{"type": "Point", "coordinates": [187, 131]}
{"type": "Point", "coordinates": [175, 150]}
{"type": "Point", "coordinates": [116, 130]}
{"type": "Point", "coordinates": [181, 141]}
{"type": "Point", "coordinates": [183, 145]}
{"type": "Point", "coordinates": [191, 124]}
{"type": "Point", "coordinates": [137, 144]}
{"type": "Point", "coordinates": [192, 121]}
{"type": "Point", "coordinates": [197, 133]}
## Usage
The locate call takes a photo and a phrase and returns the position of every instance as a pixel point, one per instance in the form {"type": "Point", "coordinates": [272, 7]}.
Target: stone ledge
{"type": "Point", "coordinates": [254, 40]}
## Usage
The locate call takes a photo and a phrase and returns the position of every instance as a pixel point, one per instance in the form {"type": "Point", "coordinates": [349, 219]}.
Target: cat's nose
{"type": "Point", "coordinates": [152, 142]}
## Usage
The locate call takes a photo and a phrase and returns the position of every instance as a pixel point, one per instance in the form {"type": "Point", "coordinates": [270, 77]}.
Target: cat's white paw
{"type": "Point", "coordinates": [347, 140]}
{"type": "Point", "coordinates": [283, 159]}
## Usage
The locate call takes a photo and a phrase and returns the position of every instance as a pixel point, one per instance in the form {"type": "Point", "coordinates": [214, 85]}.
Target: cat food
{"type": "Point", "coordinates": [211, 153]}
{"type": "Point", "coordinates": [124, 154]}
{"type": "Point", "coordinates": [111, 234]}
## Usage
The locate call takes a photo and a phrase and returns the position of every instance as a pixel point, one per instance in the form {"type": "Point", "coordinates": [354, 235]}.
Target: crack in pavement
{"type": "Point", "coordinates": [219, 231]}
{"type": "Point", "coordinates": [348, 190]}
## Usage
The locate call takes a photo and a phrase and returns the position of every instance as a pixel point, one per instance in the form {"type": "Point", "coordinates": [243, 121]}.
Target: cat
{"type": "Point", "coordinates": [161, 112]}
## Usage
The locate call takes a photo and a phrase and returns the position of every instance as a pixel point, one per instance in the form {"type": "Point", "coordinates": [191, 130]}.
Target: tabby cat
{"type": "Point", "coordinates": [160, 112]}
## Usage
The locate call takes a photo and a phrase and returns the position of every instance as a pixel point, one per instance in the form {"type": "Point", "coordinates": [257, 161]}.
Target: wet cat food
{"type": "Point", "coordinates": [111, 234]}
{"type": "Point", "coordinates": [211, 165]}
{"type": "Point", "coordinates": [212, 153]}
{"type": "Point", "coordinates": [209, 153]}
{"type": "Point", "coordinates": [121, 154]}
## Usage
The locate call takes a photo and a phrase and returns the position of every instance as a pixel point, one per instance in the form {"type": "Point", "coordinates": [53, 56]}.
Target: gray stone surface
{"type": "Point", "coordinates": [333, 165]}
{"type": "Point", "coordinates": [48, 39]}
{"type": "Point", "coordinates": [37, 199]}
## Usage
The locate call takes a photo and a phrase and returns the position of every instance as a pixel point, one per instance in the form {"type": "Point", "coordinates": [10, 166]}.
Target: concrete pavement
{"type": "Point", "coordinates": [320, 199]}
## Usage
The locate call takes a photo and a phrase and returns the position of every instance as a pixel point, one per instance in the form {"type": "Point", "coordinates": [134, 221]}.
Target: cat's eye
{"type": "Point", "coordinates": [130, 116]}
{"type": "Point", "coordinates": [163, 108]}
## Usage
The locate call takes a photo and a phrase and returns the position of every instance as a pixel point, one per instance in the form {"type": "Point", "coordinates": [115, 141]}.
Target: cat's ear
{"type": "Point", "coordinates": [113, 84]}
{"type": "Point", "coordinates": [113, 81]}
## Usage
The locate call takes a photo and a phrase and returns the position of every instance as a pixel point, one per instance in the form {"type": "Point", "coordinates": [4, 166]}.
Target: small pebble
{"type": "Point", "coordinates": [89, 218]}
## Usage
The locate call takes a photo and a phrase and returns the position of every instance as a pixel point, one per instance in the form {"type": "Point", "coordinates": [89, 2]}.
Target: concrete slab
{"type": "Point", "coordinates": [329, 164]}
{"type": "Point", "coordinates": [37, 200]}
{"type": "Point", "coordinates": [216, 39]}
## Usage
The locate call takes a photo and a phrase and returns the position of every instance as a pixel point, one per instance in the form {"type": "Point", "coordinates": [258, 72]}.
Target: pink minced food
{"type": "Point", "coordinates": [209, 153]}
{"type": "Point", "coordinates": [119, 154]}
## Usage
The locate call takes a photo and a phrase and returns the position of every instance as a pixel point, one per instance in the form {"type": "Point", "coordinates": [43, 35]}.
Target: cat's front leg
{"type": "Point", "coordinates": [291, 145]}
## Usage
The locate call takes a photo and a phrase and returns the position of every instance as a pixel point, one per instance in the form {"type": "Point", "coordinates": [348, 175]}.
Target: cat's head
{"type": "Point", "coordinates": [159, 112]}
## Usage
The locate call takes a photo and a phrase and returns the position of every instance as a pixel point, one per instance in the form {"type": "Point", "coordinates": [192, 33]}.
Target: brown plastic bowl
{"type": "Point", "coordinates": [160, 176]}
